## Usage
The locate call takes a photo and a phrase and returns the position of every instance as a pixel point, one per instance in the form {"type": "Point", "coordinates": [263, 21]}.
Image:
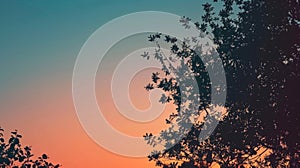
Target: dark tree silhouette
{"type": "Point", "coordinates": [259, 45]}
{"type": "Point", "coordinates": [13, 155]}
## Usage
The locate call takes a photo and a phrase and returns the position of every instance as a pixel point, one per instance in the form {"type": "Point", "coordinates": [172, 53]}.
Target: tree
{"type": "Point", "coordinates": [13, 155]}
{"type": "Point", "coordinates": [259, 45]}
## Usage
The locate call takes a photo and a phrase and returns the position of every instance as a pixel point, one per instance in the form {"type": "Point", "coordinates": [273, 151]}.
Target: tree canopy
{"type": "Point", "coordinates": [14, 155]}
{"type": "Point", "coordinates": [259, 45]}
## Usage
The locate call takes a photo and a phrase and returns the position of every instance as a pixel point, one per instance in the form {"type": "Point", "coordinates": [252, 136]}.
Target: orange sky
{"type": "Point", "coordinates": [48, 122]}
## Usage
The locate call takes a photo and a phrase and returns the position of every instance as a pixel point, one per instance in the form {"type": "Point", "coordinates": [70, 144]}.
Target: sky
{"type": "Point", "coordinates": [39, 44]}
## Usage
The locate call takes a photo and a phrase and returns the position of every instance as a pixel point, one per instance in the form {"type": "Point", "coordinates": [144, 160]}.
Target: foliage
{"type": "Point", "coordinates": [258, 42]}
{"type": "Point", "coordinates": [13, 155]}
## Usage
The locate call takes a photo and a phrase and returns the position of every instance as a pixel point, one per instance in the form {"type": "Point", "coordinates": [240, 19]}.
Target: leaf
{"type": "Point", "coordinates": [146, 55]}
{"type": "Point", "coordinates": [149, 87]}
{"type": "Point", "coordinates": [21, 159]}
{"type": "Point", "coordinates": [44, 156]}
{"type": "Point", "coordinates": [14, 132]}
{"type": "Point", "coordinates": [155, 77]}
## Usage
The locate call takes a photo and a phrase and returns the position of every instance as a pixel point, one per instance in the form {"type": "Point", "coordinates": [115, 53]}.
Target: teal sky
{"type": "Point", "coordinates": [42, 38]}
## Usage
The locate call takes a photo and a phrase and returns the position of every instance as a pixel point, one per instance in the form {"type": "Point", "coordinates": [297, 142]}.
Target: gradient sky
{"type": "Point", "coordinates": [39, 43]}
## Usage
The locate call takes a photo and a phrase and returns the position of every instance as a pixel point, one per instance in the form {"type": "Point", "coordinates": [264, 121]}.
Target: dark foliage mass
{"type": "Point", "coordinates": [259, 45]}
{"type": "Point", "coordinates": [13, 155]}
